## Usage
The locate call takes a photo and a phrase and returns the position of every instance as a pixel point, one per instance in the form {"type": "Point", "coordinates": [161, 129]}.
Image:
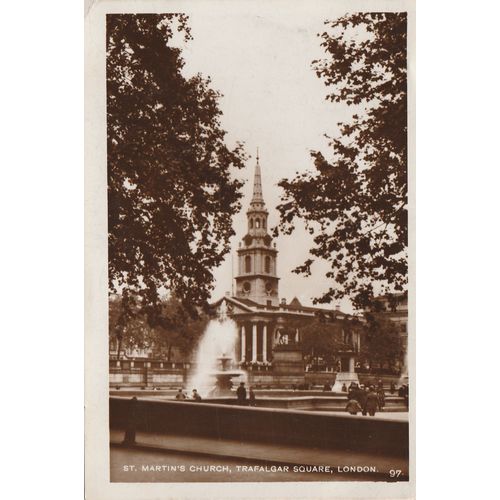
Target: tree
{"type": "Point", "coordinates": [170, 193]}
{"type": "Point", "coordinates": [381, 342]}
{"type": "Point", "coordinates": [126, 326]}
{"type": "Point", "coordinates": [173, 328]}
{"type": "Point", "coordinates": [323, 337]}
{"type": "Point", "coordinates": [355, 204]}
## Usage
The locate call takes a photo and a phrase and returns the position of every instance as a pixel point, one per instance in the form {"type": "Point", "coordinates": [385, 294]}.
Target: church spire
{"type": "Point", "coordinates": [257, 184]}
{"type": "Point", "coordinates": [257, 279]}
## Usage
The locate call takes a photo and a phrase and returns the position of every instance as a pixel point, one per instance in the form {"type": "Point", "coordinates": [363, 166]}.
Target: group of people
{"type": "Point", "coordinates": [181, 396]}
{"type": "Point", "coordinates": [241, 395]}
{"type": "Point", "coordinates": [366, 400]}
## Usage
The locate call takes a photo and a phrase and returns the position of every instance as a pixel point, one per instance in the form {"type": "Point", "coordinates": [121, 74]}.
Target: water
{"type": "Point", "coordinates": [218, 340]}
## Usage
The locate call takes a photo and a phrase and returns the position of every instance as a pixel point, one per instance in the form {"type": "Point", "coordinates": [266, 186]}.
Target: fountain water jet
{"type": "Point", "coordinates": [215, 358]}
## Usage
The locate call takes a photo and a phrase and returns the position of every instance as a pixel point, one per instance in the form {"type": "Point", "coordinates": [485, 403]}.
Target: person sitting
{"type": "Point", "coordinates": [180, 396]}
{"type": "Point", "coordinates": [196, 396]}
{"type": "Point", "coordinates": [344, 387]}
{"type": "Point", "coordinates": [326, 387]}
{"type": "Point", "coordinates": [353, 407]}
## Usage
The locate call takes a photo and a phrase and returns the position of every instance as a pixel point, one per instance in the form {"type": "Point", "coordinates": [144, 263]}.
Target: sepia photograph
{"type": "Point", "coordinates": [257, 227]}
{"type": "Point", "coordinates": [244, 213]}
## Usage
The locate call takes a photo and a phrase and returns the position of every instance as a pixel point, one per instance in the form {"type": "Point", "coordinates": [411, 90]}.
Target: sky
{"type": "Point", "coordinates": [259, 57]}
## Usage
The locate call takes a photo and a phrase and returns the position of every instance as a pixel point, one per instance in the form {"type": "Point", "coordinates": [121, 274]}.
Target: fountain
{"type": "Point", "coordinates": [215, 367]}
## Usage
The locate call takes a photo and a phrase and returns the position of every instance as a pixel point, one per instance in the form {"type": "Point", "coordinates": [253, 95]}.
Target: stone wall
{"type": "Point", "coordinates": [284, 375]}
{"type": "Point", "coordinates": [320, 378]}
{"type": "Point", "coordinates": [348, 433]}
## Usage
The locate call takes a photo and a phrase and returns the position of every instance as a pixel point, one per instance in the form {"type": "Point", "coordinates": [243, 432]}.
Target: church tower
{"type": "Point", "coordinates": [257, 255]}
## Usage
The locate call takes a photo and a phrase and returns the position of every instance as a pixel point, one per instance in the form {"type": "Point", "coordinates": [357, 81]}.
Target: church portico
{"type": "Point", "coordinates": [255, 343]}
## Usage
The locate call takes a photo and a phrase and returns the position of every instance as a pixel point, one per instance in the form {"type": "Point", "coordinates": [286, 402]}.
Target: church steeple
{"type": "Point", "coordinates": [257, 197]}
{"type": "Point", "coordinates": [257, 277]}
{"type": "Point", "coordinates": [257, 212]}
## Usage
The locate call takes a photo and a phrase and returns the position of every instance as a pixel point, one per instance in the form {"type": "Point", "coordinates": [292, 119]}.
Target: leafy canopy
{"type": "Point", "coordinates": [171, 196]}
{"type": "Point", "coordinates": [381, 341]}
{"type": "Point", "coordinates": [174, 328]}
{"type": "Point", "coordinates": [355, 203]}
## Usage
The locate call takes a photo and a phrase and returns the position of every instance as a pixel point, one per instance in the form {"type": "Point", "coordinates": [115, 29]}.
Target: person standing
{"type": "Point", "coordinates": [241, 394]}
{"type": "Point", "coordinates": [381, 398]}
{"type": "Point", "coordinates": [371, 401]}
{"type": "Point", "coordinates": [251, 397]}
{"type": "Point", "coordinates": [352, 391]}
{"type": "Point", "coordinates": [360, 397]}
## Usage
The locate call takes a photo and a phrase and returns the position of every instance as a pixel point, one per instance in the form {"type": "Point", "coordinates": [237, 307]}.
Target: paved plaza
{"type": "Point", "coordinates": [162, 449]}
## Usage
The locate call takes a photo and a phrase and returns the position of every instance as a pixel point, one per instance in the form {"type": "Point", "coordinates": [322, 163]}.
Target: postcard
{"type": "Point", "coordinates": [250, 207]}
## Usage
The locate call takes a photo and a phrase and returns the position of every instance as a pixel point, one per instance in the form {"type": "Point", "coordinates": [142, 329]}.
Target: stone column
{"type": "Point", "coordinates": [243, 343]}
{"type": "Point", "coordinates": [264, 343]}
{"type": "Point", "coordinates": [254, 342]}
{"type": "Point", "coordinates": [351, 364]}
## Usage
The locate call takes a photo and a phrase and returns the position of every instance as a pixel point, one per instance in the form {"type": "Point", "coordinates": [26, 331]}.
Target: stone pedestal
{"type": "Point", "coordinates": [288, 365]}
{"type": "Point", "coordinates": [344, 378]}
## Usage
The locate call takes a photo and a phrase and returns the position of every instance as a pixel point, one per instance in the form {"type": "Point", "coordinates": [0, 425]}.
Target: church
{"type": "Point", "coordinates": [262, 317]}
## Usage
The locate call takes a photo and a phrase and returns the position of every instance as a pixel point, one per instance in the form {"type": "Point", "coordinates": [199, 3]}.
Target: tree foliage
{"type": "Point", "coordinates": [355, 203]}
{"type": "Point", "coordinates": [173, 328]}
{"type": "Point", "coordinates": [323, 337]}
{"type": "Point", "coordinates": [381, 342]}
{"type": "Point", "coordinates": [171, 196]}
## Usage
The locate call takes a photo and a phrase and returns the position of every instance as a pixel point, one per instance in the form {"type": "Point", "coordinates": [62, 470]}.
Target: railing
{"type": "Point", "coordinates": [127, 364]}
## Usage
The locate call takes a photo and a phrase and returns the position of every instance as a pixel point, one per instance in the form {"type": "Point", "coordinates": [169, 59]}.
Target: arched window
{"type": "Point", "coordinates": [267, 264]}
{"type": "Point", "coordinates": [248, 264]}
{"type": "Point", "coordinates": [251, 223]}
{"type": "Point", "coordinates": [264, 223]}
{"type": "Point", "coordinates": [257, 223]}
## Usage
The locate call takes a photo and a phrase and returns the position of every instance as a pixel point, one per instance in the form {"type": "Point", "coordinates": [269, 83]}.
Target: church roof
{"type": "Point", "coordinates": [292, 308]}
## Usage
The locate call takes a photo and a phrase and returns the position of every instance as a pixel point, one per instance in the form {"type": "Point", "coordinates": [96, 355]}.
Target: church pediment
{"type": "Point", "coordinates": [230, 306]}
